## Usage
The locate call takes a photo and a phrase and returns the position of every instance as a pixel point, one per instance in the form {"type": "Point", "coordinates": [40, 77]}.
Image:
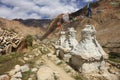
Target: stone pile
{"type": "Point", "coordinates": [9, 40]}
{"type": "Point", "coordinates": [16, 73]}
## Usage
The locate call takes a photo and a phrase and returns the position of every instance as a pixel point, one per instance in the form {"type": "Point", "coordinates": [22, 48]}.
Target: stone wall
{"type": "Point", "coordinates": [9, 40]}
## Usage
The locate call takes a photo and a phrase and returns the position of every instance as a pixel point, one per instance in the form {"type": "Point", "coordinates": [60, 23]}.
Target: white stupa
{"type": "Point", "coordinates": [88, 55]}
{"type": "Point", "coordinates": [71, 41]}
{"type": "Point", "coordinates": [61, 39]}
{"type": "Point", "coordinates": [67, 41]}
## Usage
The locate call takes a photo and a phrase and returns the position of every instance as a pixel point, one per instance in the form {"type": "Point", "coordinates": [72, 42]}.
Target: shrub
{"type": "Point", "coordinates": [29, 40]}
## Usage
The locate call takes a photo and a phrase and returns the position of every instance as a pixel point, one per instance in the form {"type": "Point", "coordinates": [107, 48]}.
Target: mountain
{"type": "Point", "coordinates": [20, 27]}
{"type": "Point", "coordinates": [34, 22]}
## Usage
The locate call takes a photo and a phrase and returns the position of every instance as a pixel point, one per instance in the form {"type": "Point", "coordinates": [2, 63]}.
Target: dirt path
{"type": "Point", "coordinates": [62, 73]}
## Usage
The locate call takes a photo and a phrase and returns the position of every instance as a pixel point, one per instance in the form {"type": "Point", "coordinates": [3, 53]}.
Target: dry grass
{"type": "Point", "coordinates": [7, 62]}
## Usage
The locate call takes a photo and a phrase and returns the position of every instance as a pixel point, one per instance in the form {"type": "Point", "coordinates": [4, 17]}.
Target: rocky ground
{"type": "Point", "coordinates": [39, 64]}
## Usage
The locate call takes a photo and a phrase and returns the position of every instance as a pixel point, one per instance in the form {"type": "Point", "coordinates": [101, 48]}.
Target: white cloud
{"type": "Point", "coordinates": [35, 8]}
{"type": "Point", "coordinates": [4, 11]}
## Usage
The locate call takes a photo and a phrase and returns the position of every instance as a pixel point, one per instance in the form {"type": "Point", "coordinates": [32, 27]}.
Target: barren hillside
{"type": "Point", "coordinates": [19, 27]}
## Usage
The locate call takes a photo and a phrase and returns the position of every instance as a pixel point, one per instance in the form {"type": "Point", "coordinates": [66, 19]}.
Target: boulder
{"type": "Point", "coordinates": [4, 77]}
{"type": "Point", "coordinates": [12, 72]}
{"type": "Point", "coordinates": [17, 68]}
{"type": "Point", "coordinates": [13, 78]}
{"type": "Point", "coordinates": [30, 79]}
{"type": "Point", "coordinates": [26, 58]}
{"type": "Point", "coordinates": [17, 75]}
{"type": "Point", "coordinates": [46, 73]}
{"type": "Point", "coordinates": [24, 68]}
{"type": "Point", "coordinates": [36, 52]}
{"type": "Point", "coordinates": [34, 69]}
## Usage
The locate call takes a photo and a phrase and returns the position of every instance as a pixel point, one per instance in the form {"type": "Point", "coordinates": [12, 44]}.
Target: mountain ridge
{"type": "Point", "coordinates": [34, 22]}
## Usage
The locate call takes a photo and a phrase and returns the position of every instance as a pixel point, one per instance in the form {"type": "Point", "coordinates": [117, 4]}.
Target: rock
{"type": "Point", "coordinates": [67, 57]}
{"type": "Point", "coordinates": [33, 76]}
{"type": "Point", "coordinates": [17, 68]}
{"type": "Point", "coordinates": [58, 62]}
{"type": "Point", "coordinates": [49, 55]}
{"type": "Point", "coordinates": [39, 63]}
{"type": "Point", "coordinates": [109, 76]}
{"type": "Point", "coordinates": [34, 69]}
{"type": "Point", "coordinates": [31, 56]}
{"type": "Point", "coordinates": [26, 59]}
{"type": "Point", "coordinates": [19, 79]}
{"type": "Point", "coordinates": [37, 52]}
{"type": "Point", "coordinates": [67, 69]}
{"type": "Point", "coordinates": [21, 60]}
{"type": "Point", "coordinates": [4, 77]}
{"type": "Point", "coordinates": [13, 78]}
{"type": "Point", "coordinates": [17, 75]}
{"type": "Point", "coordinates": [113, 70]}
{"type": "Point", "coordinates": [30, 79]}
{"type": "Point", "coordinates": [24, 68]}
{"type": "Point", "coordinates": [46, 73]}
{"type": "Point", "coordinates": [12, 72]}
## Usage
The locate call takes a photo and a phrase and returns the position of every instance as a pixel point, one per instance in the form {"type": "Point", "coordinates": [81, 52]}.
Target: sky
{"type": "Point", "coordinates": [38, 9]}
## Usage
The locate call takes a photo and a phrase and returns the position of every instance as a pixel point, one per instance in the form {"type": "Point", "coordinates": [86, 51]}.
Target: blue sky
{"type": "Point", "coordinates": [38, 9]}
